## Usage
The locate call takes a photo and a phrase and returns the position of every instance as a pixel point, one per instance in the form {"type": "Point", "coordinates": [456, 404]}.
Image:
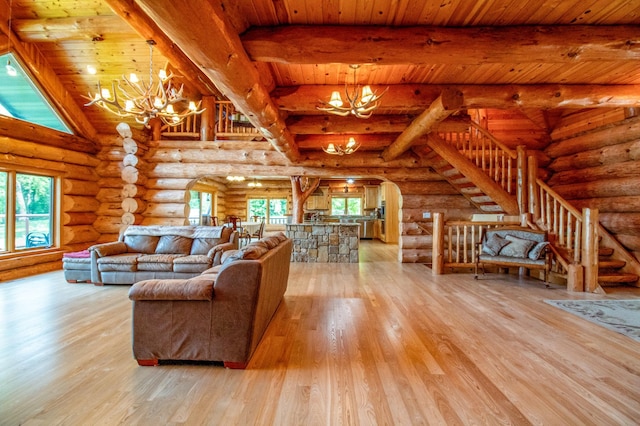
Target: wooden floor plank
{"type": "Point", "coordinates": [377, 342]}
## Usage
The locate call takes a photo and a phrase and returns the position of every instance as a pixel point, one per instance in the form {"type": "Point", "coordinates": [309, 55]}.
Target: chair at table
{"type": "Point", "coordinates": [257, 234]}
{"type": "Point", "coordinates": [214, 220]}
{"type": "Point", "coordinates": [235, 222]}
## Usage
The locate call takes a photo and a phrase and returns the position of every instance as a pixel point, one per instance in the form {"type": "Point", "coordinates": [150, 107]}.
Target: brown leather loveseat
{"type": "Point", "coordinates": [220, 315]}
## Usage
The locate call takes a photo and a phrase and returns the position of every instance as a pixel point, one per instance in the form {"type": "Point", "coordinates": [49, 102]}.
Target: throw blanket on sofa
{"type": "Point", "coordinates": [182, 231]}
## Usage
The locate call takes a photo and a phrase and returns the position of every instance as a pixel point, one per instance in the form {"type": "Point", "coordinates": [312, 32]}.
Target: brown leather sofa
{"type": "Point", "coordinates": [220, 315]}
{"type": "Point", "coordinates": [156, 251]}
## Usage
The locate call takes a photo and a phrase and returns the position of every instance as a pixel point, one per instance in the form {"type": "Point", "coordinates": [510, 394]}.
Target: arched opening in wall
{"type": "Point", "coordinates": [373, 202]}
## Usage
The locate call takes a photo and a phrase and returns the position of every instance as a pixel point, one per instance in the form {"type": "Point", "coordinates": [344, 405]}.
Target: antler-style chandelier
{"type": "Point", "coordinates": [144, 101]}
{"type": "Point", "coordinates": [362, 102]}
{"type": "Point", "coordinates": [337, 149]}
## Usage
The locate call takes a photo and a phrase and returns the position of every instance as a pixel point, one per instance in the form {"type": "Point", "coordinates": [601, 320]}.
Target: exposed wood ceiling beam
{"type": "Point", "coordinates": [200, 28]}
{"type": "Point", "coordinates": [131, 13]}
{"type": "Point", "coordinates": [55, 91]}
{"type": "Point", "coordinates": [334, 125]}
{"type": "Point", "coordinates": [299, 44]}
{"type": "Point", "coordinates": [416, 97]}
{"type": "Point", "coordinates": [445, 105]}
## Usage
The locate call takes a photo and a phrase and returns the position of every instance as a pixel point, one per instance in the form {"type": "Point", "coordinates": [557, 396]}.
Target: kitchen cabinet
{"type": "Point", "coordinates": [317, 201]}
{"type": "Point", "coordinates": [371, 200]}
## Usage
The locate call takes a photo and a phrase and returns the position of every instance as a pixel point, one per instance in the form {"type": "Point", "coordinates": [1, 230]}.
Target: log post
{"type": "Point", "coordinates": [437, 256]}
{"type": "Point", "coordinates": [208, 118]}
{"type": "Point", "coordinates": [534, 196]}
{"type": "Point", "coordinates": [522, 179]}
{"type": "Point", "coordinates": [590, 249]}
{"type": "Point", "coordinates": [575, 277]}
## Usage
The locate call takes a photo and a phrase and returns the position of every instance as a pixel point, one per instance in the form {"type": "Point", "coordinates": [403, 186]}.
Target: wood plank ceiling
{"type": "Point", "coordinates": [275, 59]}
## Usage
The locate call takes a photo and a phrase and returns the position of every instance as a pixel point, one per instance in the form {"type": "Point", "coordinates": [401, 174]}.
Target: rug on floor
{"type": "Point", "coordinates": [622, 316]}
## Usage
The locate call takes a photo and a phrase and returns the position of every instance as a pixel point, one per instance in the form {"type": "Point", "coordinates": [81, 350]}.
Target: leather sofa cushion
{"type": "Point", "coordinates": [197, 288]}
{"type": "Point", "coordinates": [192, 263]}
{"type": "Point", "coordinates": [120, 262]}
{"type": "Point", "coordinates": [141, 243]}
{"type": "Point", "coordinates": [173, 244]}
{"type": "Point", "coordinates": [203, 245]}
{"type": "Point", "coordinates": [157, 262]}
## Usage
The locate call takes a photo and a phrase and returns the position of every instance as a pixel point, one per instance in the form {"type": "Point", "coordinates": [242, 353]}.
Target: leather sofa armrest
{"type": "Point", "coordinates": [109, 249]}
{"type": "Point", "coordinates": [196, 288]}
{"type": "Point", "coordinates": [216, 252]}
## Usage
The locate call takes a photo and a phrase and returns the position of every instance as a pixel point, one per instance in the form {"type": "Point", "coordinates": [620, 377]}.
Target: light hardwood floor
{"type": "Point", "coordinates": [377, 342]}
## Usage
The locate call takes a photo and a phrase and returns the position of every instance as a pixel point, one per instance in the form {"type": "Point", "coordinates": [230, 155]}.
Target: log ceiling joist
{"type": "Point", "coordinates": [299, 44]}
{"type": "Point", "coordinates": [202, 31]}
{"type": "Point", "coordinates": [416, 97]}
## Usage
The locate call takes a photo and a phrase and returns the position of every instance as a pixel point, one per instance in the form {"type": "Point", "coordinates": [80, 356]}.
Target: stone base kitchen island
{"type": "Point", "coordinates": [324, 242]}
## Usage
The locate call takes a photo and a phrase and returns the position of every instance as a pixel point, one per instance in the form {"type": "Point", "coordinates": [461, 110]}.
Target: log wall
{"type": "Point", "coordinates": [79, 188]}
{"type": "Point", "coordinates": [597, 165]}
{"type": "Point", "coordinates": [419, 196]}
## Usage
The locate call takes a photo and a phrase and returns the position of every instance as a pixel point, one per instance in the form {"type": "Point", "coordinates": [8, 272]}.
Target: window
{"type": "Point", "coordinates": [346, 206]}
{"type": "Point", "coordinates": [275, 213]}
{"type": "Point", "coordinates": [26, 210]}
{"type": "Point", "coordinates": [20, 98]}
{"type": "Point", "coordinates": [200, 208]}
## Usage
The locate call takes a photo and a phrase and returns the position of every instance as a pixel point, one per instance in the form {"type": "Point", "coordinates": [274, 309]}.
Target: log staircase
{"type": "Point", "coordinates": [497, 179]}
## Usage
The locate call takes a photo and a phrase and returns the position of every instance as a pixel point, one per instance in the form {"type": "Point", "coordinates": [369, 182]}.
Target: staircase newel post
{"type": "Point", "coordinates": [437, 254]}
{"type": "Point", "coordinates": [522, 179]}
{"type": "Point", "coordinates": [534, 195]}
{"type": "Point", "coordinates": [589, 253]}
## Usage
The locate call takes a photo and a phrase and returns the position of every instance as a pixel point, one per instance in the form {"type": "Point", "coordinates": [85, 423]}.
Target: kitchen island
{"type": "Point", "coordinates": [324, 242]}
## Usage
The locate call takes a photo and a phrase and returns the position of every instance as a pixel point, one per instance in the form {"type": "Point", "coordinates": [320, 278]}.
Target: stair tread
{"type": "Point", "coordinates": [617, 278]}
{"type": "Point", "coordinates": [611, 263]}
{"type": "Point", "coordinates": [605, 251]}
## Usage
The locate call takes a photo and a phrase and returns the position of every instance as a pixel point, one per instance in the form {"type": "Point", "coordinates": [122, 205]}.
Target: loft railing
{"type": "Point", "coordinates": [229, 124]}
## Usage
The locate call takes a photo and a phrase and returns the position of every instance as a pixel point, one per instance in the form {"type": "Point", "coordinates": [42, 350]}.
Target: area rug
{"type": "Point", "coordinates": [622, 316]}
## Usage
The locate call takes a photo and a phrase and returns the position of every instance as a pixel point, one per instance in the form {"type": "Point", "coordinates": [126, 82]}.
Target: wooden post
{"type": "Point", "coordinates": [575, 277]}
{"type": "Point", "coordinates": [155, 124]}
{"type": "Point", "coordinates": [534, 196]}
{"type": "Point", "coordinates": [437, 255]}
{"type": "Point", "coordinates": [208, 118]}
{"type": "Point", "coordinates": [590, 248]}
{"type": "Point", "coordinates": [522, 186]}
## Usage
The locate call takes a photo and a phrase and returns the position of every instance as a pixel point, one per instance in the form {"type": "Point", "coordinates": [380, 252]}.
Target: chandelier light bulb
{"type": "Point", "coordinates": [170, 109]}
{"type": "Point", "coordinates": [91, 69]}
{"type": "Point", "coordinates": [133, 77]}
{"type": "Point", "coordinates": [162, 74]}
{"type": "Point", "coordinates": [335, 100]}
{"type": "Point", "coordinates": [157, 102]}
{"type": "Point", "coordinates": [128, 105]}
{"type": "Point", "coordinates": [367, 95]}
{"type": "Point", "coordinates": [192, 106]}
{"type": "Point", "coordinates": [105, 94]}
{"type": "Point", "coordinates": [351, 143]}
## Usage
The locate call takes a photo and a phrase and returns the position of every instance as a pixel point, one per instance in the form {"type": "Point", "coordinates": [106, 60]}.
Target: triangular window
{"type": "Point", "coordinates": [20, 97]}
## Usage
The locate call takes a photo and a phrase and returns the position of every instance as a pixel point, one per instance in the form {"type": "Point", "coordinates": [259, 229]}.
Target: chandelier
{"type": "Point", "coordinates": [362, 102]}
{"type": "Point", "coordinates": [337, 149]}
{"type": "Point", "coordinates": [144, 101]}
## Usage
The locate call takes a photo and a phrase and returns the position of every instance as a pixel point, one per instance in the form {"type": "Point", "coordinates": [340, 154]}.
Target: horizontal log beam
{"type": "Point", "coordinates": [416, 97]}
{"type": "Point", "coordinates": [307, 44]}
{"type": "Point", "coordinates": [329, 124]}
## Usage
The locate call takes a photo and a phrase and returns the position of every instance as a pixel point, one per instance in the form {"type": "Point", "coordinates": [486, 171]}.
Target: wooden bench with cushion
{"type": "Point", "coordinates": [514, 247]}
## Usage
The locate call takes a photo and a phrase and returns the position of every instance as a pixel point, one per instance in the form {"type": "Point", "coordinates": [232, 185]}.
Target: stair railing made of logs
{"type": "Point", "coordinates": [487, 153]}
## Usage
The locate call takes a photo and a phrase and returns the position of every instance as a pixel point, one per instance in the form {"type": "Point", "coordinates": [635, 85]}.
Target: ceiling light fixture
{"type": "Point", "coordinates": [235, 178]}
{"type": "Point", "coordinates": [144, 101]}
{"type": "Point", "coordinates": [337, 149]}
{"type": "Point", "coordinates": [362, 102]}
{"type": "Point", "coordinates": [254, 184]}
